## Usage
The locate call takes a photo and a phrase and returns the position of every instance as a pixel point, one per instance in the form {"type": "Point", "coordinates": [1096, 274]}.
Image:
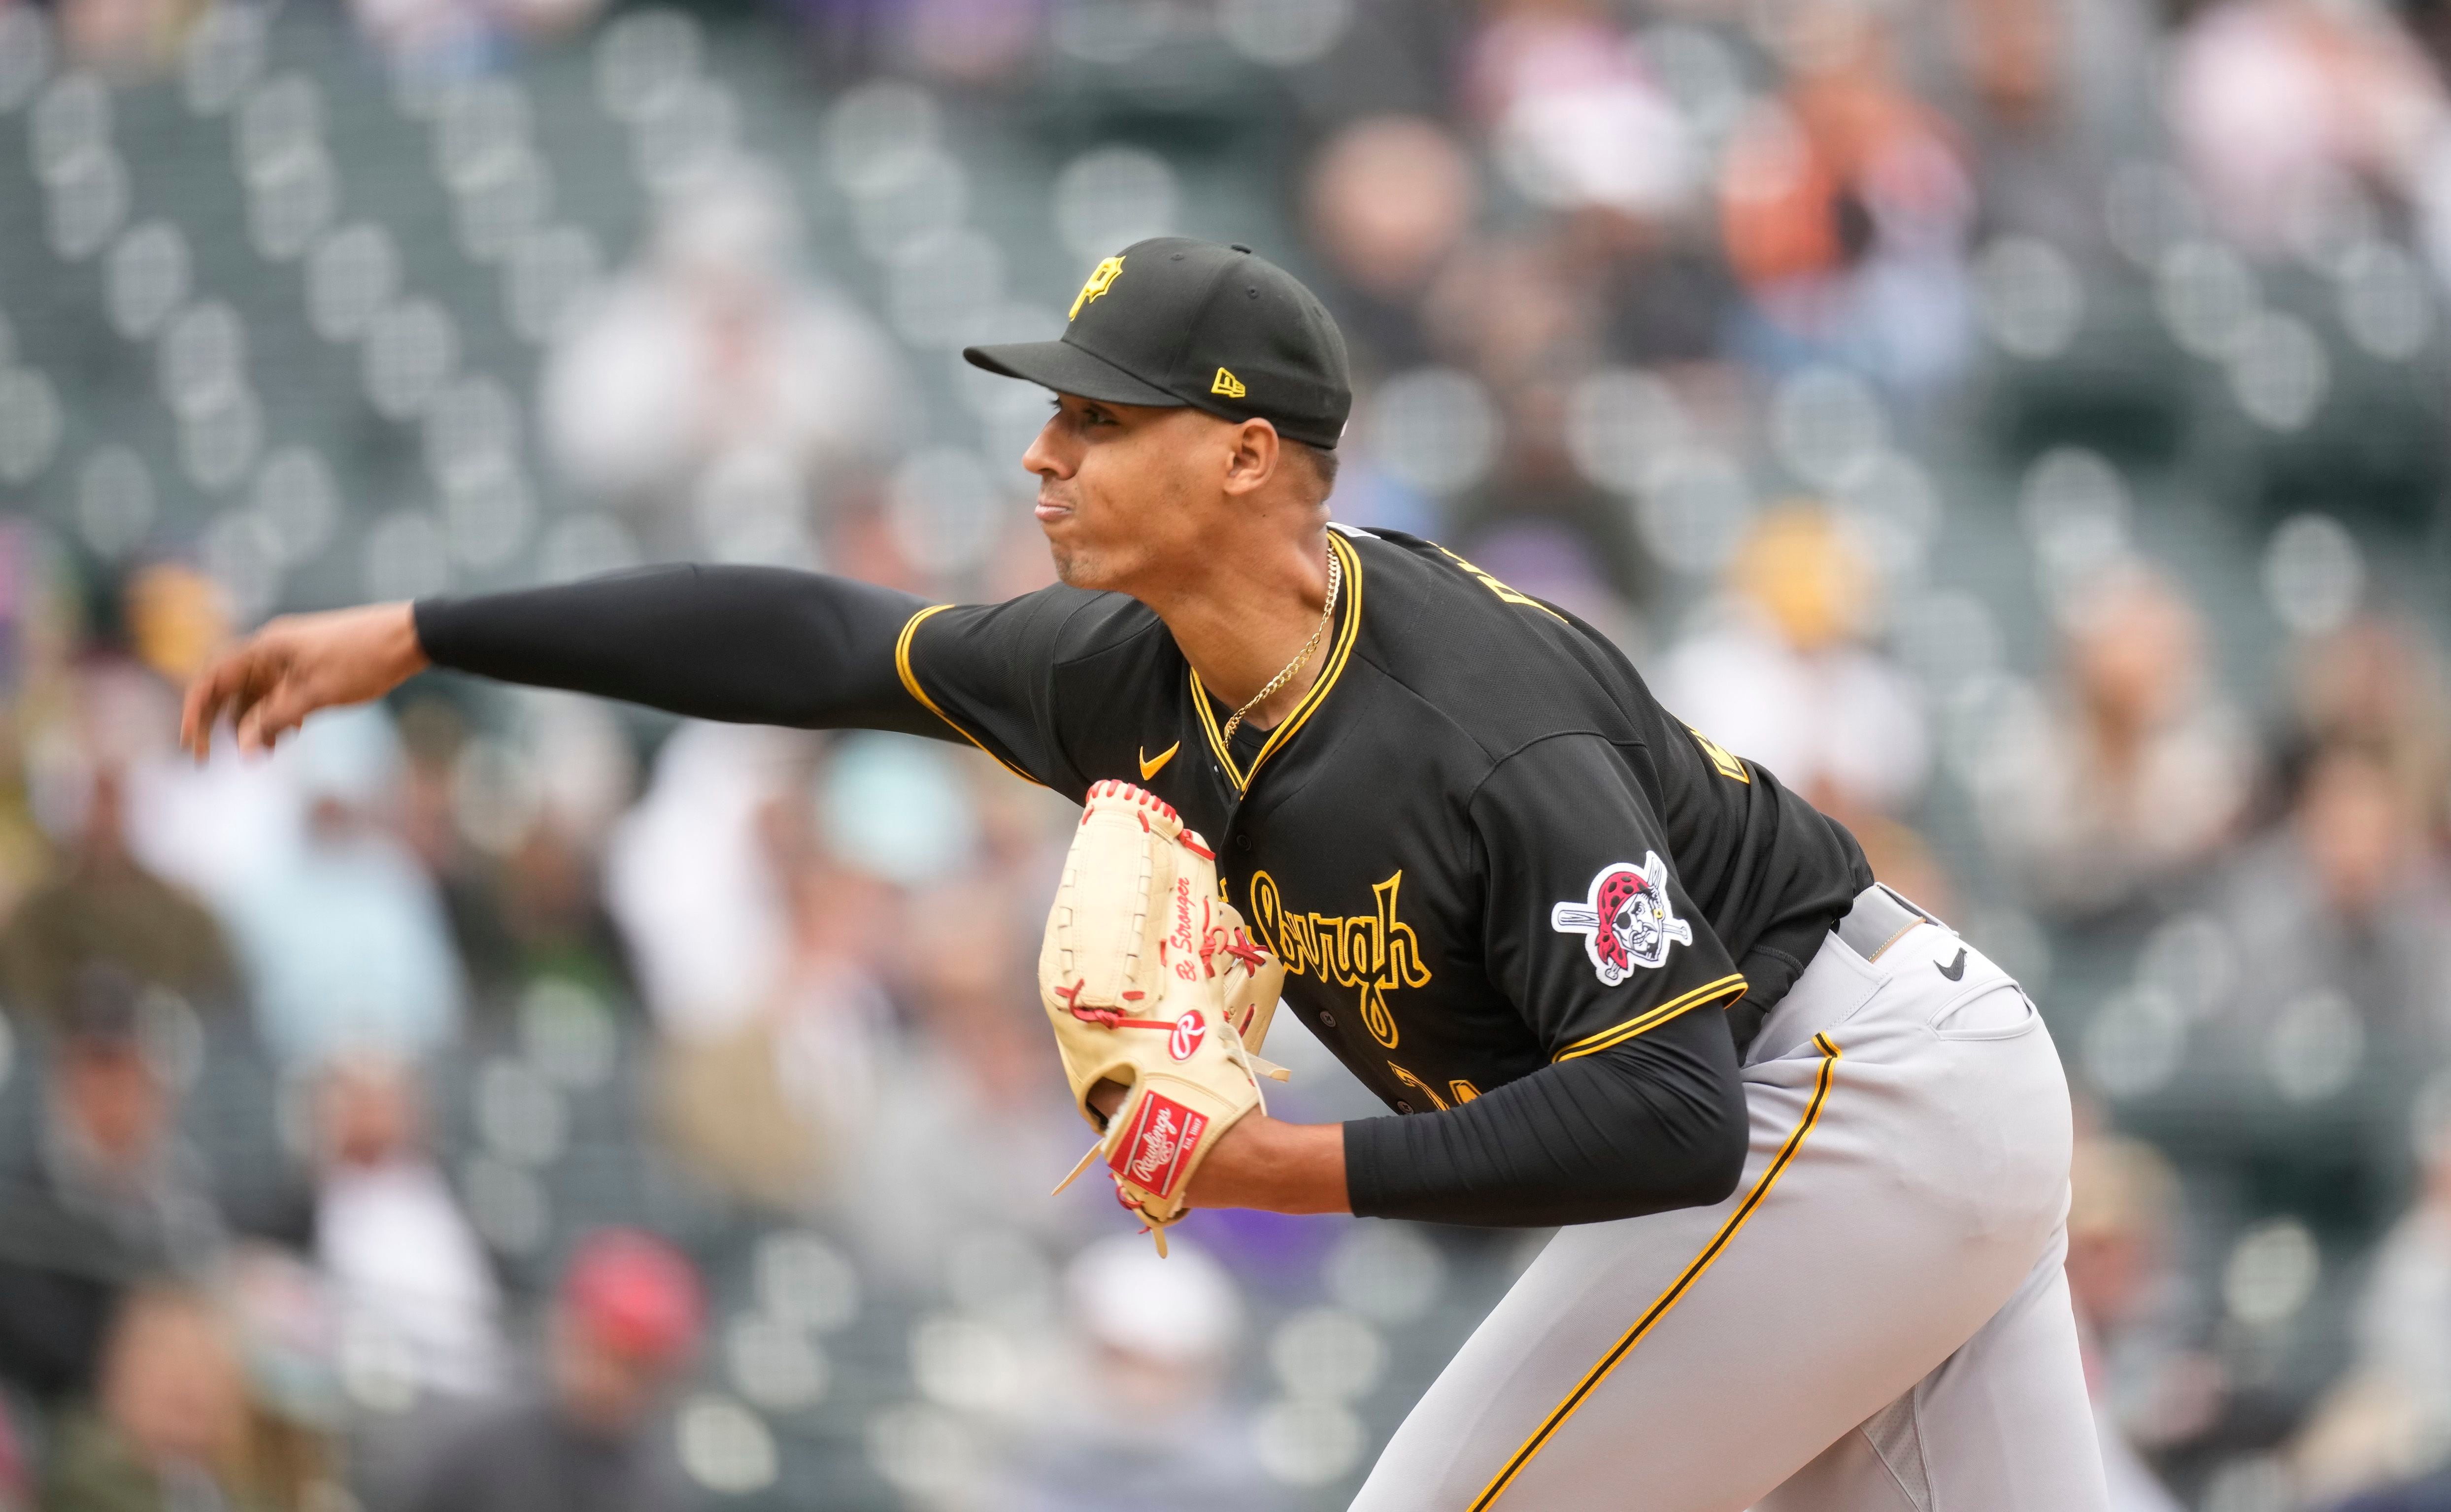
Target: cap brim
{"type": "Point", "coordinates": [1068, 369]}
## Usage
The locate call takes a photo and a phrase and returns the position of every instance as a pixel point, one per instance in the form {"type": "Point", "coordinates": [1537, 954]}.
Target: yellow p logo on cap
{"type": "Point", "coordinates": [1100, 278]}
{"type": "Point", "coordinates": [1227, 384]}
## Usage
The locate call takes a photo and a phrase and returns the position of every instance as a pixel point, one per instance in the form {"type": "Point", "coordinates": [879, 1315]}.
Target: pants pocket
{"type": "Point", "coordinates": [1999, 1009]}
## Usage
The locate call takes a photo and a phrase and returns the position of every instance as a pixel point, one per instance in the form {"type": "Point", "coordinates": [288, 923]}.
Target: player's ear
{"type": "Point", "coordinates": [1254, 457]}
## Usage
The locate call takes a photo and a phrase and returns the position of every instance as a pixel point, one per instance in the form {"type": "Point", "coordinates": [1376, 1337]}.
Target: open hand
{"type": "Point", "coordinates": [269, 682]}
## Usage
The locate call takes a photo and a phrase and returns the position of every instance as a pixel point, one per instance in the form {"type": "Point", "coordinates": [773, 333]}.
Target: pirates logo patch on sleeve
{"type": "Point", "coordinates": [1626, 920]}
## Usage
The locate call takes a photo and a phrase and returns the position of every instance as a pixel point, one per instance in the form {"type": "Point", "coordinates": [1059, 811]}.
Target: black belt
{"type": "Point", "coordinates": [1871, 924]}
{"type": "Point", "coordinates": [1876, 920]}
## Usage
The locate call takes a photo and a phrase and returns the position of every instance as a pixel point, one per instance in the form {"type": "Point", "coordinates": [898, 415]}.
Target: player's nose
{"type": "Point", "coordinates": [1046, 455]}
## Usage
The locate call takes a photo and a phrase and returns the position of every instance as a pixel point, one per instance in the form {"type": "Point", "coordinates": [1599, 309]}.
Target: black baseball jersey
{"type": "Point", "coordinates": [1479, 844]}
{"type": "Point", "coordinates": [1512, 893]}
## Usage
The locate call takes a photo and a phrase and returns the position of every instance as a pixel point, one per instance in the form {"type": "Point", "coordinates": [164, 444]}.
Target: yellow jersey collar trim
{"type": "Point", "coordinates": [1340, 652]}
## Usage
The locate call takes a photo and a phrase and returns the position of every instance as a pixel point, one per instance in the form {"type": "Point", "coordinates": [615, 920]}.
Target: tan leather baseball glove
{"type": "Point", "coordinates": [1152, 983]}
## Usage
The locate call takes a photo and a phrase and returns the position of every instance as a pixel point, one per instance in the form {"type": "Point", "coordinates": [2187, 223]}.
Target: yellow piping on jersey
{"type": "Point", "coordinates": [1419, 1086]}
{"type": "Point", "coordinates": [1726, 987]}
{"type": "Point", "coordinates": [1503, 591]}
{"type": "Point", "coordinates": [1725, 760]}
{"type": "Point", "coordinates": [1338, 655]}
{"type": "Point", "coordinates": [1677, 1289]}
{"type": "Point", "coordinates": [911, 680]}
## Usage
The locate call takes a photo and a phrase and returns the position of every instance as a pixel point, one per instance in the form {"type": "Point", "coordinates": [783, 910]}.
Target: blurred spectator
{"type": "Point", "coordinates": [344, 937]}
{"type": "Point", "coordinates": [2388, 1417]}
{"type": "Point", "coordinates": [720, 376]}
{"type": "Point", "coordinates": [24, 850]}
{"type": "Point", "coordinates": [2039, 171]}
{"type": "Point", "coordinates": [1785, 677]}
{"type": "Point", "coordinates": [512, 829]}
{"type": "Point", "coordinates": [626, 1325]}
{"type": "Point", "coordinates": [972, 1134]}
{"type": "Point", "coordinates": [975, 42]}
{"type": "Point", "coordinates": [1844, 205]}
{"type": "Point", "coordinates": [100, 1194]}
{"type": "Point", "coordinates": [1388, 200]}
{"type": "Point", "coordinates": [451, 37]}
{"type": "Point", "coordinates": [1576, 120]}
{"type": "Point", "coordinates": [542, 916]}
{"type": "Point", "coordinates": [691, 876]}
{"type": "Point", "coordinates": [168, 1431]}
{"type": "Point", "coordinates": [101, 903]}
{"type": "Point", "coordinates": [1512, 310]}
{"type": "Point", "coordinates": [712, 877]}
{"type": "Point", "coordinates": [291, 1354]}
{"type": "Point", "coordinates": [2377, 684]}
{"type": "Point", "coordinates": [2130, 778]}
{"type": "Point", "coordinates": [2290, 112]}
{"type": "Point", "coordinates": [127, 41]}
{"type": "Point", "coordinates": [2341, 918]}
{"type": "Point", "coordinates": [2122, 1197]}
{"type": "Point", "coordinates": [1147, 1426]}
{"type": "Point", "coordinates": [403, 1263]}
{"type": "Point", "coordinates": [2432, 1494]}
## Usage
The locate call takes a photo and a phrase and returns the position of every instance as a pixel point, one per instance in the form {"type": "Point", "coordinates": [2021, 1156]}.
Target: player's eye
{"type": "Point", "coordinates": [1083, 415]}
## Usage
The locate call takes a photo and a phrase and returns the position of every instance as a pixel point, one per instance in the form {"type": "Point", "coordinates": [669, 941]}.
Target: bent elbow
{"type": "Point", "coordinates": [1714, 1160]}
{"type": "Point", "coordinates": [1721, 1164]}
{"type": "Point", "coordinates": [1702, 1172]}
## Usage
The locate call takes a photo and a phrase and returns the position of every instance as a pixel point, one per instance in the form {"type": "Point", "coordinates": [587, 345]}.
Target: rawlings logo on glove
{"type": "Point", "coordinates": [1153, 984]}
{"type": "Point", "coordinates": [1151, 1154]}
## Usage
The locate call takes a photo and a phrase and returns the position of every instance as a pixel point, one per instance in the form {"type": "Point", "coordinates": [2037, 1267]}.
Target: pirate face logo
{"type": "Point", "coordinates": [1625, 919]}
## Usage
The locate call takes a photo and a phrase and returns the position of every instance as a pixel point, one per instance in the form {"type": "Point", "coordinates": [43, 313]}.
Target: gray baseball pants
{"type": "Point", "coordinates": [1875, 1321]}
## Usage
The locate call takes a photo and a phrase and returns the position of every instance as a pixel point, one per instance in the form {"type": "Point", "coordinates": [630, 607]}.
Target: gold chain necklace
{"type": "Point", "coordinates": [1327, 612]}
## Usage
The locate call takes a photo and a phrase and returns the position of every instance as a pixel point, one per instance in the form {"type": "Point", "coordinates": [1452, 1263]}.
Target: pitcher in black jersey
{"type": "Point", "coordinates": [1810, 1147]}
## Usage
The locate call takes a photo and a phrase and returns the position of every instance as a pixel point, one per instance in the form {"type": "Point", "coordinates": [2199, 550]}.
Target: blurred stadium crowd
{"type": "Point", "coordinates": [2018, 424]}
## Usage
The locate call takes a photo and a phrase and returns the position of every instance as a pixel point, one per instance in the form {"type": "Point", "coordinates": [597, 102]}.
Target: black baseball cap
{"type": "Point", "coordinates": [1175, 321]}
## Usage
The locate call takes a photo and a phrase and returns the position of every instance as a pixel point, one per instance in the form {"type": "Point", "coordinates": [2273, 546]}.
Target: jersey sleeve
{"type": "Point", "coordinates": [987, 673]}
{"type": "Point", "coordinates": [1586, 928]}
{"type": "Point", "coordinates": [751, 645]}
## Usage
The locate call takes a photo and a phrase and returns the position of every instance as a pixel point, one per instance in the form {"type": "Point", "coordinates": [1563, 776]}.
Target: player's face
{"type": "Point", "coordinates": [1128, 493]}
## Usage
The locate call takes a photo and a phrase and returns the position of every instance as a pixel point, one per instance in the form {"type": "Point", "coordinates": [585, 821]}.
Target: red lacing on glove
{"type": "Point", "coordinates": [1110, 1017]}
{"type": "Point", "coordinates": [1239, 945]}
{"type": "Point", "coordinates": [1117, 788]}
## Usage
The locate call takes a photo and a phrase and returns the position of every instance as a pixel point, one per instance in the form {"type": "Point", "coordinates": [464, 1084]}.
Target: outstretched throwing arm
{"type": "Point", "coordinates": [745, 644]}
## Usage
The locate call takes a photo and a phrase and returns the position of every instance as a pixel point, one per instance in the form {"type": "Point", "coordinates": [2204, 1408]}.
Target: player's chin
{"type": "Point", "coordinates": [1075, 568]}
{"type": "Point", "coordinates": [1078, 562]}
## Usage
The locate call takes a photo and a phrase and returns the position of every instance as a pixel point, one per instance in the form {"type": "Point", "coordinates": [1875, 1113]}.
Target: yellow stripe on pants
{"type": "Point", "coordinates": [1677, 1289]}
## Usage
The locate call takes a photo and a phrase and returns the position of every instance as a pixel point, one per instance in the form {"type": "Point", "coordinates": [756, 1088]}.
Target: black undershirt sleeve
{"type": "Point", "coordinates": [1589, 936]}
{"type": "Point", "coordinates": [749, 645]}
{"type": "Point", "coordinates": [1656, 1123]}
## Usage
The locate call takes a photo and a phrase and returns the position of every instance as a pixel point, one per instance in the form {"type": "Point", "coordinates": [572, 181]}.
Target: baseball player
{"type": "Point", "coordinates": [1807, 1148]}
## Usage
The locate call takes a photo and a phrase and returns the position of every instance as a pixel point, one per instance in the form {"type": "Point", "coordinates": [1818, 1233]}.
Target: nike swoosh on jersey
{"type": "Point", "coordinates": [1954, 971]}
{"type": "Point", "coordinates": [1152, 766]}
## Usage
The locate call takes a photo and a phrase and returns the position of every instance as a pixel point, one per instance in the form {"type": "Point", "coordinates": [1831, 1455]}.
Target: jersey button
{"type": "Point", "coordinates": [1326, 1019]}
{"type": "Point", "coordinates": [1403, 1107]}
{"type": "Point", "coordinates": [1243, 842]}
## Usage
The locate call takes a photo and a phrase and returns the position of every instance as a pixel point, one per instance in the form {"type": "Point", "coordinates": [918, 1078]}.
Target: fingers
{"type": "Point", "coordinates": [236, 685]}
{"type": "Point", "coordinates": [206, 695]}
{"type": "Point", "coordinates": [278, 710]}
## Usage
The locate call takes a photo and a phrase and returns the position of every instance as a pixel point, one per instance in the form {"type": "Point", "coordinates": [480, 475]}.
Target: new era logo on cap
{"type": "Point", "coordinates": [1173, 321]}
